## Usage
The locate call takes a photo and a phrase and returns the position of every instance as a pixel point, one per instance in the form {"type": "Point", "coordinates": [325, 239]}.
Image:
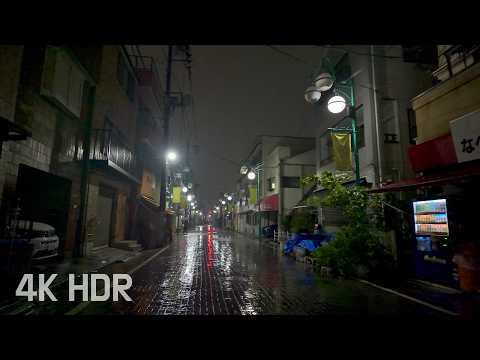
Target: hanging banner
{"type": "Point", "coordinates": [342, 151]}
{"type": "Point", "coordinates": [252, 190]}
{"type": "Point", "coordinates": [183, 202]}
{"type": "Point", "coordinates": [177, 194]}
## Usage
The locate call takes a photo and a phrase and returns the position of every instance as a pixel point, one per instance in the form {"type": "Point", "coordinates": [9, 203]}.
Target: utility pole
{"type": "Point", "coordinates": [166, 121]}
{"type": "Point", "coordinates": [80, 231]}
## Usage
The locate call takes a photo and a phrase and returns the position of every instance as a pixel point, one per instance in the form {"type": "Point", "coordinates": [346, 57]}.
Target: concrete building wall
{"type": "Point", "coordinates": [112, 102]}
{"type": "Point", "coordinates": [396, 83]}
{"type": "Point", "coordinates": [10, 63]}
{"type": "Point", "coordinates": [111, 99]}
{"type": "Point", "coordinates": [11, 58]}
{"type": "Point", "coordinates": [35, 151]}
{"type": "Point", "coordinates": [435, 108]}
{"type": "Point", "coordinates": [297, 166]}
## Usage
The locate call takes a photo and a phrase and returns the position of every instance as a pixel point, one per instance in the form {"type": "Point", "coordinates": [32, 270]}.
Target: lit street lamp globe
{"type": "Point", "coordinates": [184, 189]}
{"type": "Point", "coordinates": [244, 170]}
{"type": "Point", "coordinates": [229, 198]}
{"type": "Point", "coordinates": [336, 104]}
{"type": "Point", "coordinates": [172, 156]}
{"type": "Point", "coordinates": [251, 175]}
{"type": "Point", "coordinates": [189, 198]}
{"type": "Point", "coordinates": [223, 202]}
{"type": "Point", "coordinates": [312, 94]}
{"type": "Point", "coordinates": [324, 82]}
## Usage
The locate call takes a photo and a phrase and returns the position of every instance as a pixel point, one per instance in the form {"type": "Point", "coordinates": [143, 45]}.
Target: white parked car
{"type": "Point", "coordinates": [43, 238]}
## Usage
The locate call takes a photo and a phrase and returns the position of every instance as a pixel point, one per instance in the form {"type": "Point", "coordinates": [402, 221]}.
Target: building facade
{"type": "Point", "coordinates": [383, 87]}
{"type": "Point", "coordinates": [280, 162]}
{"type": "Point", "coordinates": [84, 114]}
{"type": "Point", "coordinates": [445, 160]}
{"type": "Point", "coordinates": [42, 174]}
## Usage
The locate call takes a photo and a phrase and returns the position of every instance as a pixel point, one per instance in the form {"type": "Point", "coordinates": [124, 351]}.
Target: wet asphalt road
{"type": "Point", "coordinates": [232, 274]}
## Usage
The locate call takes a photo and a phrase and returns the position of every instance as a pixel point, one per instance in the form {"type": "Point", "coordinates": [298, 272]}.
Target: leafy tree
{"type": "Point", "coordinates": [359, 243]}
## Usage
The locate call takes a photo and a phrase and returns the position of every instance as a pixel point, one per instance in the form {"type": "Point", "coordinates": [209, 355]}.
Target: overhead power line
{"type": "Point", "coordinates": [303, 61]}
{"type": "Point", "coordinates": [359, 53]}
{"type": "Point", "coordinates": [285, 53]}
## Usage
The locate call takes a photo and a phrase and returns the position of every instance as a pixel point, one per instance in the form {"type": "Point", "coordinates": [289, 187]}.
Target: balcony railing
{"type": "Point", "coordinates": [147, 74]}
{"type": "Point", "coordinates": [456, 58]}
{"type": "Point", "coordinates": [108, 146]}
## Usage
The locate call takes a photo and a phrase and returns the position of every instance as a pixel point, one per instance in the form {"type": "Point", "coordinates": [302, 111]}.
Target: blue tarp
{"type": "Point", "coordinates": [309, 242]}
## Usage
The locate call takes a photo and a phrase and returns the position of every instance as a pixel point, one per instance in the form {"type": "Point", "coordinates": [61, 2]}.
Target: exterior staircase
{"type": "Point", "coordinates": [129, 245]}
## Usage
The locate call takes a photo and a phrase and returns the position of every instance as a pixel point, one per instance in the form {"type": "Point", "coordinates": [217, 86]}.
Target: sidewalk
{"type": "Point", "coordinates": [104, 260]}
{"type": "Point", "coordinates": [449, 300]}
{"type": "Point", "coordinates": [442, 298]}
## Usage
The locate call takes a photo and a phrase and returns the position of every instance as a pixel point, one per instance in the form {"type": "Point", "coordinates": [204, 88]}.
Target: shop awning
{"type": "Point", "coordinates": [269, 203]}
{"type": "Point", "coordinates": [462, 172]}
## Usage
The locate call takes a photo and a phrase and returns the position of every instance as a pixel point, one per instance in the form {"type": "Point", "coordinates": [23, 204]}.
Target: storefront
{"type": "Point", "coordinates": [269, 211]}
{"type": "Point", "coordinates": [443, 216]}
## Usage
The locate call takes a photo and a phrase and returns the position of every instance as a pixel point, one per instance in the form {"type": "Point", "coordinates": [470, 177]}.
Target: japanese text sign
{"type": "Point", "coordinates": [466, 136]}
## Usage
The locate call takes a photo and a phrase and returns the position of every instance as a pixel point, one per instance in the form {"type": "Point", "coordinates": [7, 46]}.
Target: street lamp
{"type": "Point", "coordinates": [229, 198]}
{"type": "Point", "coordinates": [184, 189]}
{"type": "Point", "coordinates": [172, 155]}
{"type": "Point", "coordinates": [343, 92]}
{"type": "Point", "coordinates": [312, 95]}
{"type": "Point", "coordinates": [189, 198]}
{"type": "Point", "coordinates": [251, 175]}
{"type": "Point", "coordinates": [223, 202]}
{"type": "Point", "coordinates": [336, 104]}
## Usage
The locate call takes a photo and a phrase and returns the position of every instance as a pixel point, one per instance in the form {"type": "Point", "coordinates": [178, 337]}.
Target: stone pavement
{"type": "Point", "coordinates": [101, 260]}
{"type": "Point", "coordinates": [232, 274]}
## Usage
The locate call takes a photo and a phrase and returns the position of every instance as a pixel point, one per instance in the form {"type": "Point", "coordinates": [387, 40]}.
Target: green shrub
{"type": "Point", "coordinates": [357, 244]}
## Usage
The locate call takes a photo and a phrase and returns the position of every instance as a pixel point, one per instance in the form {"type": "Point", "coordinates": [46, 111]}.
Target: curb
{"type": "Point", "coordinates": [80, 307]}
{"type": "Point", "coordinates": [424, 303]}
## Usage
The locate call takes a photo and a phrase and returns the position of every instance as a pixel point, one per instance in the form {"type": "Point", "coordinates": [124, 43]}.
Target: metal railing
{"type": "Point", "coordinates": [466, 55]}
{"type": "Point", "coordinates": [145, 64]}
{"type": "Point", "coordinates": [281, 236]}
{"type": "Point", "coordinates": [107, 145]}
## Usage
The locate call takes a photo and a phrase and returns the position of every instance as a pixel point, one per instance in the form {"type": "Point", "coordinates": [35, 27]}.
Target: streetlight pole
{"type": "Point", "coordinates": [166, 119]}
{"type": "Point", "coordinates": [353, 118]}
{"type": "Point", "coordinates": [258, 199]}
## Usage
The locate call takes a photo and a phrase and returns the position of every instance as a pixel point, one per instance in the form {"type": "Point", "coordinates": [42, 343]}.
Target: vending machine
{"type": "Point", "coordinates": [434, 250]}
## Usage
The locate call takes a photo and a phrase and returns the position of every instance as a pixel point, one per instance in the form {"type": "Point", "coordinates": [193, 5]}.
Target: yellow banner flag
{"type": "Point", "coordinates": [183, 203]}
{"type": "Point", "coordinates": [252, 190]}
{"type": "Point", "coordinates": [342, 151]}
{"type": "Point", "coordinates": [177, 194]}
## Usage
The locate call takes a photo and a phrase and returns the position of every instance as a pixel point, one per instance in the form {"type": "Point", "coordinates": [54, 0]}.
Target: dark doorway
{"type": "Point", "coordinates": [105, 206]}
{"type": "Point", "coordinates": [45, 198]}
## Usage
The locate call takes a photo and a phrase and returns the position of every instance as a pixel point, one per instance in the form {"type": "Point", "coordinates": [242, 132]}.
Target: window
{"type": "Point", "coordinates": [271, 184]}
{"type": "Point", "coordinates": [292, 182]}
{"type": "Point", "coordinates": [412, 126]}
{"type": "Point", "coordinates": [326, 155]}
{"type": "Point", "coordinates": [63, 80]}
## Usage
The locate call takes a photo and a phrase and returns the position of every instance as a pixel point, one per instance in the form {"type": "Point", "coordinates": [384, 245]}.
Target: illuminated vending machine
{"type": "Point", "coordinates": [434, 251]}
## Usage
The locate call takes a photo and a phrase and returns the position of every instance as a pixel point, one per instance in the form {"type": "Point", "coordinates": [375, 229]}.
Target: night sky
{"type": "Point", "coordinates": [239, 92]}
